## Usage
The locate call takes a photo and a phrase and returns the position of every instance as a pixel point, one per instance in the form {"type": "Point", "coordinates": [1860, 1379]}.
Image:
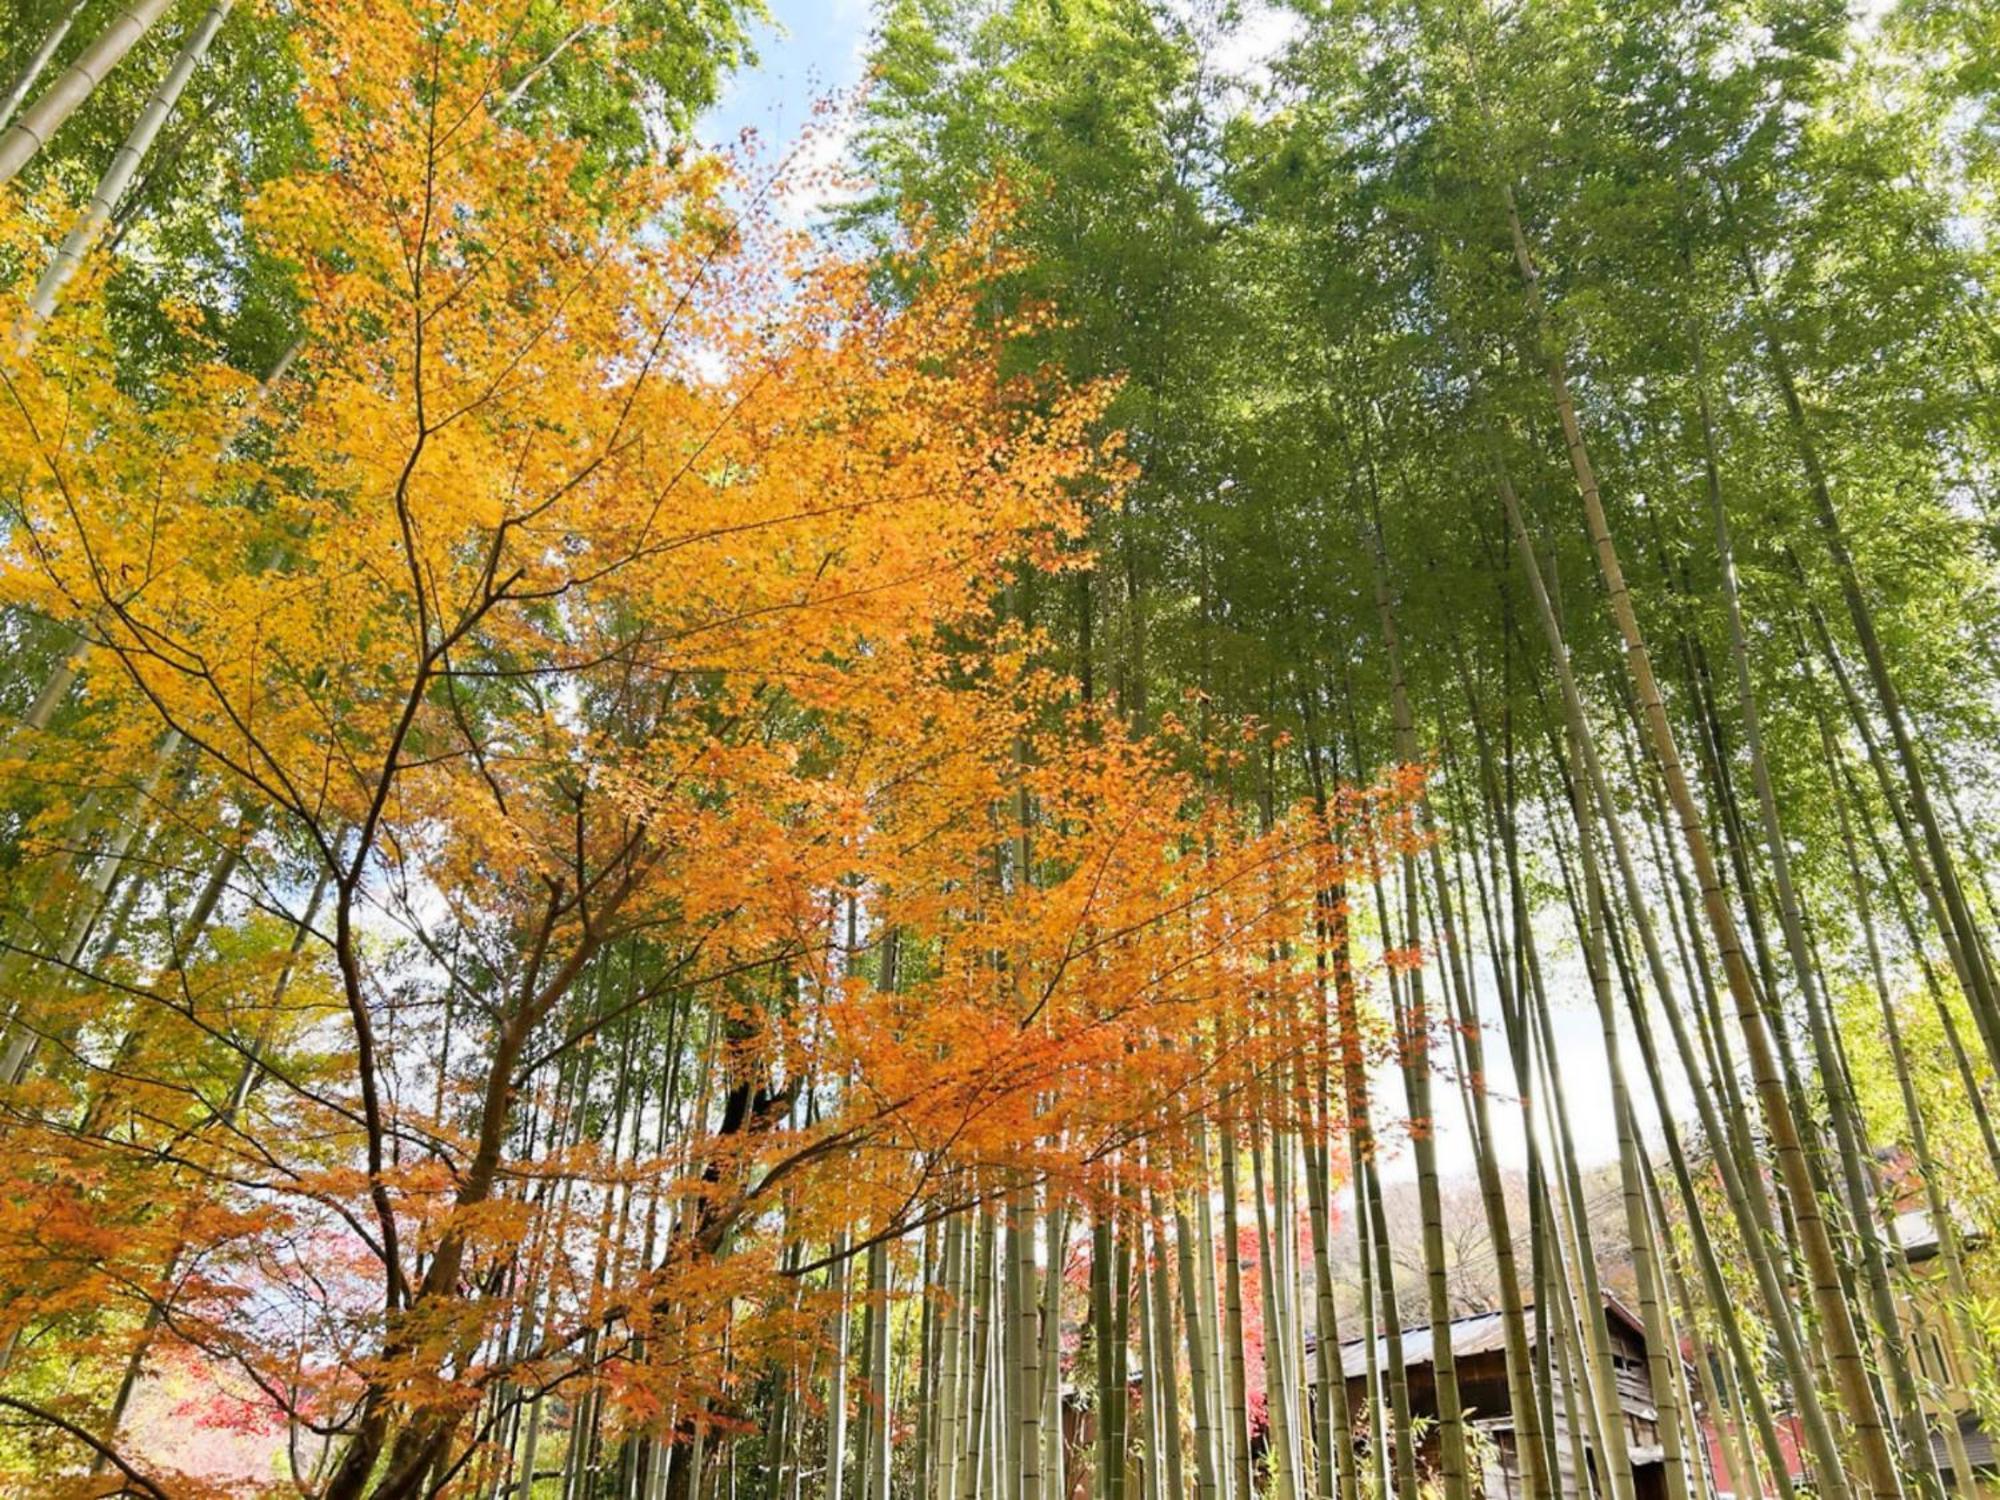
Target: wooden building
{"type": "Point", "coordinates": [1479, 1353]}
{"type": "Point", "coordinates": [1963, 1447]}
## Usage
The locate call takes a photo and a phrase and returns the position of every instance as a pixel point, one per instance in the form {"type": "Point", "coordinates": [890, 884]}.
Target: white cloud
{"type": "Point", "coordinates": [1246, 51]}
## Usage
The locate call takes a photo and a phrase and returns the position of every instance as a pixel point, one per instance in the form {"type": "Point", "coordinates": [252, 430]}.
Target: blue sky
{"type": "Point", "coordinates": [809, 48]}
{"type": "Point", "coordinates": [814, 48]}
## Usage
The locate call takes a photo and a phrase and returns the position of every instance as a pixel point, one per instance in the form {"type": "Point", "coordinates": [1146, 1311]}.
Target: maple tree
{"type": "Point", "coordinates": [646, 853]}
{"type": "Point", "coordinates": [583, 641]}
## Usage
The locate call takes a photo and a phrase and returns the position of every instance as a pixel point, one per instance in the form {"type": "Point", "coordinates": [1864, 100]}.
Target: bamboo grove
{"type": "Point", "coordinates": [1268, 778]}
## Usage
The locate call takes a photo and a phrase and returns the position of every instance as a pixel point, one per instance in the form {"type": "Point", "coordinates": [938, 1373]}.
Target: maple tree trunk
{"type": "Point", "coordinates": [33, 127]}
{"type": "Point", "coordinates": [420, 1441]}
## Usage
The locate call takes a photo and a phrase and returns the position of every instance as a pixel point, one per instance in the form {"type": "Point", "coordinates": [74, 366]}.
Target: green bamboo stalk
{"type": "Point", "coordinates": [1778, 1308]}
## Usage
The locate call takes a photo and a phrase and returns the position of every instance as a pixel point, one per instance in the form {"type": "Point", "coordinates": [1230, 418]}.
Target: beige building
{"type": "Point", "coordinates": [1960, 1441]}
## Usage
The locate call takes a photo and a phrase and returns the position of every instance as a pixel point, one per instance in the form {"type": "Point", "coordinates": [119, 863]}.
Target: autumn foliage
{"type": "Point", "coordinates": [590, 643]}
